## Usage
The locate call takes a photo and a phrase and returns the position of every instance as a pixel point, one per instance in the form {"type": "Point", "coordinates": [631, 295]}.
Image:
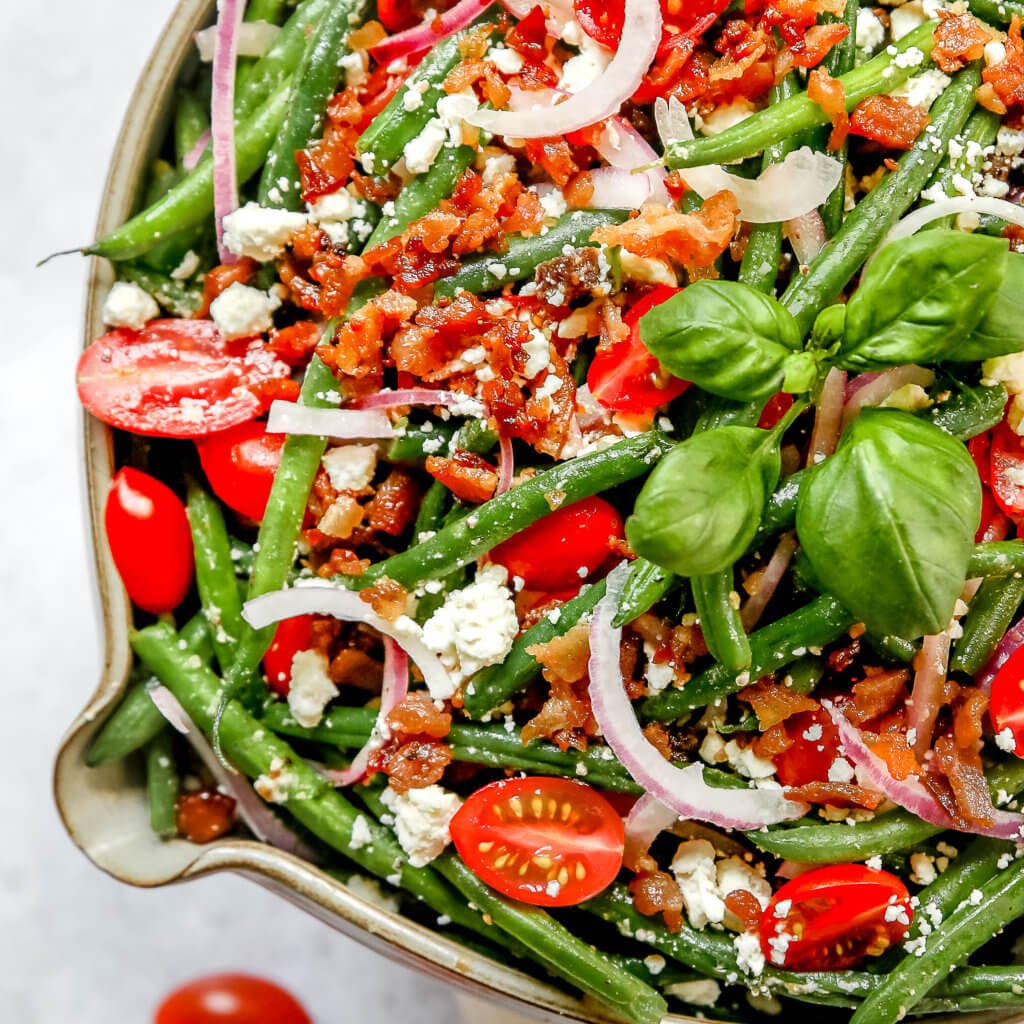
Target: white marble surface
{"type": "Point", "coordinates": [74, 945]}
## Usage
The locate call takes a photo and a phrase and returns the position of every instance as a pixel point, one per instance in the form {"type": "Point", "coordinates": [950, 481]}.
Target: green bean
{"type": "Point", "coordinates": [996, 12]}
{"type": "Point", "coordinates": [841, 59]}
{"type": "Point", "coordinates": [780, 511]}
{"type": "Point", "coordinates": [866, 226]}
{"type": "Point", "coordinates": [313, 85]}
{"type": "Point", "coordinates": [558, 949]}
{"type": "Point", "coordinates": [997, 558]}
{"type": "Point", "coordinates": [500, 518]}
{"type": "Point", "coordinates": [494, 685]}
{"type": "Point", "coordinates": [894, 648]}
{"type": "Point", "coordinates": [968, 410]}
{"type": "Point", "coordinates": [176, 297]}
{"type": "Point", "coordinates": [162, 783]}
{"type": "Point", "coordinates": [136, 720]}
{"type": "Point", "coordinates": [885, 833]}
{"type": "Point", "coordinates": [416, 442]}
{"type": "Point", "coordinates": [381, 145]}
{"type": "Point", "coordinates": [191, 122]}
{"type": "Point", "coordinates": [992, 610]}
{"type": "Point", "coordinates": [981, 129]}
{"type": "Point", "coordinates": [646, 586]}
{"type": "Point", "coordinates": [798, 114]}
{"type": "Point", "coordinates": [950, 944]}
{"type": "Point", "coordinates": [772, 647]}
{"type": "Point", "coordinates": [215, 573]}
{"type": "Point", "coordinates": [270, 11]}
{"type": "Point", "coordinates": [718, 608]}
{"type": "Point", "coordinates": [523, 256]}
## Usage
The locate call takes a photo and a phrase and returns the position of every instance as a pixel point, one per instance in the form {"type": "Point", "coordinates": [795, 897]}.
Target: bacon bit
{"type": "Point", "coordinates": [327, 164]}
{"type": "Point", "coordinates": [877, 695]}
{"type": "Point", "coordinates": [555, 156]}
{"type": "Point", "coordinates": [534, 76]}
{"type": "Point", "coordinates": [892, 748]}
{"type": "Point", "coordinates": [962, 770]}
{"type": "Point", "coordinates": [830, 94]}
{"type": "Point", "coordinates": [341, 518]}
{"type": "Point", "coordinates": [387, 598]}
{"type": "Point", "coordinates": [468, 476]}
{"type": "Point", "coordinates": [968, 711]}
{"type": "Point", "coordinates": [772, 742]}
{"type": "Point", "coordinates": [413, 765]}
{"type": "Point", "coordinates": [742, 45]}
{"type": "Point", "coordinates": [810, 48]}
{"type": "Point", "coordinates": [277, 390]}
{"type": "Point", "coordinates": [528, 216]}
{"type": "Point", "coordinates": [343, 562]}
{"type": "Point", "coordinates": [367, 36]}
{"type": "Point", "coordinates": [842, 658]}
{"type": "Point", "coordinates": [1004, 82]}
{"type": "Point", "coordinates": [470, 73]}
{"type": "Point", "coordinates": [418, 715]}
{"type": "Point", "coordinates": [580, 191]}
{"type": "Point", "coordinates": [295, 344]}
{"type": "Point", "coordinates": [394, 505]}
{"type": "Point", "coordinates": [959, 39]}
{"type": "Point", "coordinates": [474, 43]}
{"type": "Point", "coordinates": [338, 276]}
{"type": "Point", "coordinates": [835, 794]}
{"type": "Point", "coordinates": [745, 907]}
{"type": "Point", "coordinates": [566, 656]}
{"type": "Point", "coordinates": [774, 703]}
{"type": "Point", "coordinates": [574, 275]}
{"type": "Point", "coordinates": [218, 279]}
{"type": "Point", "coordinates": [691, 239]}
{"type": "Point", "coordinates": [889, 120]}
{"type": "Point", "coordinates": [204, 816]}
{"type": "Point", "coordinates": [657, 892]}
{"type": "Point", "coordinates": [658, 736]}
{"type": "Point", "coordinates": [687, 644]}
{"type": "Point", "coordinates": [355, 668]}
{"type": "Point", "coordinates": [565, 717]}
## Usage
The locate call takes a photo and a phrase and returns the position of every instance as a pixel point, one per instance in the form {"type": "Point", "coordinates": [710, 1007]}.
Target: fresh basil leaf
{"type": "Point", "coordinates": [888, 522]}
{"type": "Point", "coordinates": [921, 298]}
{"type": "Point", "coordinates": [700, 508]}
{"type": "Point", "coordinates": [1001, 330]}
{"type": "Point", "coordinates": [725, 336]}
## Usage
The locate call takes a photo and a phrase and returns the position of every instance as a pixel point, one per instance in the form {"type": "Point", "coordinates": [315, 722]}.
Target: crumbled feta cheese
{"type": "Point", "coordinates": [702, 992]}
{"type": "Point", "coordinates": [275, 784]}
{"type": "Point", "coordinates": [422, 817]}
{"type": "Point", "coordinates": [549, 386]}
{"type": "Point", "coordinates": [337, 206]}
{"type": "Point", "coordinates": [749, 957]}
{"type": "Point", "coordinates": [995, 52]}
{"type": "Point", "coordinates": [747, 763]}
{"type": "Point", "coordinates": [924, 89]}
{"type": "Point", "coordinates": [259, 232]}
{"type": "Point", "coordinates": [840, 770]}
{"type": "Point", "coordinates": [694, 869]}
{"type": "Point", "coordinates": [712, 748]}
{"type": "Point", "coordinates": [648, 269]}
{"type": "Point", "coordinates": [350, 467]}
{"type": "Point", "coordinates": [452, 112]}
{"type": "Point", "coordinates": [412, 98]}
{"type": "Point", "coordinates": [507, 61]}
{"type": "Point", "coordinates": [580, 71]}
{"type": "Point", "coordinates": [922, 869]}
{"type": "Point", "coordinates": [355, 66]}
{"type": "Point", "coordinates": [553, 203]}
{"type": "Point", "coordinates": [241, 311]}
{"type": "Point", "coordinates": [538, 354]}
{"type": "Point", "coordinates": [735, 874]}
{"type": "Point", "coordinates": [361, 834]}
{"type": "Point", "coordinates": [654, 963]}
{"type": "Point", "coordinates": [496, 166]}
{"type": "Point", "coordinates": [911, 57]}
{"type": "Point", "coordinates": [1005, 740]}
{"type": "Point", "coordinates": [870, 32]}
{"type": "Point", "coordinates": [994, 187]}
{"type": "Point", "coordinates": [421, 152]}
{"type": "Point", "coordinates": [1010, 142]}
{"type": "Point", "coordinates": [906, 18]}
{"type": "Point", "coordinates": [875, 863]}
{"type": "Point", "coordinates": [312, 689]}
{"type": "Point", "coordinates": [657, 675]}
{"type": "Point", "coordinates": [128, 305]}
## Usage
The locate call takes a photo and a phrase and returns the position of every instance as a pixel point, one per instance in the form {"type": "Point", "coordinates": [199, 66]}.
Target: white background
{"type": "Point", "coordinates": [76, 947]}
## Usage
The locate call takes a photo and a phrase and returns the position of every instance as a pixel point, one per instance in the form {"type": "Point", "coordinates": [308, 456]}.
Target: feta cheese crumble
{"type": "Point", "coordinates": [422, 817]}
{"type": "Point", "coordinates": [128, 305]}
{"type": "Point", "coordinates": [241, 311]}
{"type": "Point", "coordinates": [261, 233]}
{"type": "Point", "coordinates": [311, 690]}
{"type": "Point", "coordinates": [350, 467]}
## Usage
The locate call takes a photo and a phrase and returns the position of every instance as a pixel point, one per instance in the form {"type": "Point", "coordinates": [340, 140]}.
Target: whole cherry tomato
{"type": "Point", "coordinates": [626, 377]}
{"type": "Point", "coordinates": [832, 918]}
{"type": "Point", "coordinates": [231, 999]}
{"type": "Point", "coordinates": [564, 547]}
{"type": "Point", "coordinates": [149, 539]}
{"type": "Point", "coordinates": [549, 842]}
{"type": "Point", "coordinates": [240, 464]}
{"type": "Point", "coordinates": [1006, 704]}
{"type": "Point", "coordinates": [292, 636]}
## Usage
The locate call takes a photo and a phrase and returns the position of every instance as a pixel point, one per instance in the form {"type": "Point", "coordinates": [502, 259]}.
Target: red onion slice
{"type": "Point", "coordinates": [617, 189]}
{"type": "Point", "coordinates": [1012, 640]}
{"type": "Point", "coordinates": [603, 97]}
{"type": "Point", "coordinates": [260, 820]}
{"type": "Point", "coordinates": [222, 118]}
{"type": "Point", "coordinates": [192, 157]}
{"type": "Point", "coordinates": [407, 396]}
{"type": "Point", "coordinates": [647, 819]}
{"type": "Point", "coordinates": [344, 424]}
{"type": "Point", "coordinates": [423, 36]}
{"type": "Point", "coordinates": [806, 234]}
{"type": "Point", "coordinates": [254, 39]}
{"type": "Point", "coordinates": [682, 790]}
{"type": "Point", "coordinates": [506, 464]}
{"type": "Point", "coordinates": [828, 417]}
{"type": "Point", "coordinates": [768, 582]}
{"type": "Point", "coordinates": [913, 222]}
{"type": "Point", "coordinates": [877, 387]}
{"type": "Point", "coordinates": [318, 598]}
{"type": "Point", "coordinates": [925, 699]}
{"type": "Point", "coordinates": [623, 147]}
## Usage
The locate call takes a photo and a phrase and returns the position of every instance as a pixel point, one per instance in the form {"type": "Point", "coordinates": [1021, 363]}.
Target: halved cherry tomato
{"type": "Point", "coordinates": [814, 744]}
{"type": "Point", "coordinates": [231, 999]}
{"type": "Point", "coordinates": [292, 635]}
{"type": "Point", "coordinates": [240, 464]}
{"type": "Point", "coordinates": [562, 548]}
{"type": "Point", "coordinates": [778, 405]}
{"type": "Point", "coordinates": [1006, 704]}
{"type": "Point", "coordinates": [1006, 460]}
{"type": "Point", "coordinates": [626, 377]}
{"type": "Point", "coordinates": [149, 539]}
{"type": "Point", "coordinates": [832, 918]}
{"type": "Point", "coordinates": [398, 15]}
{"type": "Point", "coordinates": [175, 378]}
{"type": "Point", "coordinates": [602, 20]}
{"type": "Point", "coordinates": [549, 842]}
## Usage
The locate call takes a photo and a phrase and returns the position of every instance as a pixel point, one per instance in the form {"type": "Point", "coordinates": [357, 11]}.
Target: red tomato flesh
{"type": "Point", "coordinates": [833, 918]}
{"type": "Point", "coordinates": [175, 378]}
{"type": "Point", "coordinates": [563, 548]}
{"type": "Point", "coordinates": [240, 464]}
{"type": "Point", "coordinates": [1006, 462]}
{"type": "Point", "coordinates": [814, 746]}
{"type": "Point", "coordinates": [150, 540]}
{"type": "Point", "coordinates": [231, 999]}
{"type": "Point", "coordinates": [548, 842]}
{"type": "Point", "coordinates": [291, 636]}
{"type": "Point", "coordinates": [1006, 705]}
{"type": "Point", "coordinates": [626, 377]}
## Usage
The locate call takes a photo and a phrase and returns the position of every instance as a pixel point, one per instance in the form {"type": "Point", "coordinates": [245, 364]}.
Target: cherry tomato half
{"type": "Point", "coordinates": [564, 547]}
{"type": "Point", "coordinates": [231, 999]}
{"type": "Point", "coordinates": [292, 635]}
{"type": "Point", "coordinates": [814, 745]}
{"type": "Point", "coordinates": [149, 539]}
{"type": "Point", "coordinates": [398, 15]}
{"type": "Point", "coordinates": [175, 378]}
{"type": "Point", "coordinates": [1006, 704]}
{"type": "Point", "coordinates": [240, 464]}
{"type": "Point", "coordinates": [626, 377]}
{"type": "Point", "coordinates": [831, 918]}
{"type": "Point", "coordinates": [1006, 462]}
{"type": "Point", "coordinates": [602, 20]}
{"type": "Point", "coordinates": [549, 842]}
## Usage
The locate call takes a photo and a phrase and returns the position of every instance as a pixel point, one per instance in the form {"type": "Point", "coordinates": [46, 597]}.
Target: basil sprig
{"type": "Point", "coordinates": [888, 522]}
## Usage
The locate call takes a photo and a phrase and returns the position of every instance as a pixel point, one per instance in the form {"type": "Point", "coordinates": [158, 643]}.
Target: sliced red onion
{"type": "Point", "coordinates": [259, 818]}
{"type": "Point", "coordinates": [192, 157]}
{"type": "Point", "coordinates": [407, 396]}
{"type": "Point", "coordinates": [318, 598]}
{"type": "Point", "coordinates": [344, 424]}
{"type": "Point", "coordinates": [506, 464]}
{"type": "Point", "coordinates": [1012, 640]}
{"type": "Point", "coordinates": [792, 189]}
{"type": "Point", "coordinates": [768, 582]}
{"type": "Point", "coordinates": [423, 36]}
{"type": "Point", "coordinates": [925, 699]}
{"type": "Point", "coordinates": [622, 146]}
{"type": "Point", "coordinates": [647, 819]}
{"type": "Point", "coordinates": [806, 234]}
{"type": "Point", "coordinates": [910, 794]}
{"type": "Point", "coordinates": [222, 118]}
{"type": "Point", "coordinates": [393, 692]}
{"type": "Point", "coordinates": [617, 189]}
{"type": "Point", "coordinates": [254, 39]}
{"type": "Point", "coordinates": [828, 417]}
{"type": "Point", "coordinates": [913, 222]}
{"type": "Point", "coordinates": [641, 35]}
{"type": "Point", "coordinates": [879, 386]}
{"type": "Point", "coordinates": [683, 790]}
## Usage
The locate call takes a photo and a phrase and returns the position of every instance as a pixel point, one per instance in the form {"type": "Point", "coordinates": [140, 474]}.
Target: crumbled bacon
{"type": "Point", "coordinates": [830, 94]}
{"type": "Point", "coordinates": [387, 597]}
{"type": "Point", "coordinates": [218, 279]}
{"type": "Point", "coordinates": [968, 711]}
{"type": "Point", "coordinates": [744, 905]}
{"type": "Point", "coordinates": [835, 794]}
{"type": "Point", "coordinates": [413, 765]}
{"type": "Point", "coordinates": [742, 45]}
{"type": "Point", "coordinates": [355, 668]}
{"type": "Point", "coordinates": [959, 39]}
{"type": "Point", "coordinates": [657, 892]}
{"type": "Point", "coordinates": [572, 276]}
{"type": "Point", "coordinates": [963, 772]}
{"type": "Point", "coordinates": [394, 505]}
{"type": "Point", "coordinates": [295, 344]}
{"type": "Point", "coordinates": [891, 121]}
{"type": "Point", "coordinates": [565, 717]}
{"type": "Point", "coordinates": [892, 747]}
{"type": "Point", "coordinates": [343, 562]}
{"type": "Point", "coordinates": [877, 695]}
{"type": "Point", "coordinates": [774, 703]}
{"type": "Point", "coordinates": [470, 72]}
{"type": "Point", "coordinates": [1003, 83]}
{"type": "Point", "coordinates": [810, 46]}
{"type": "Point", "coordinates": [418, 715]}
{"type": "Point", "coordinates": [468, 476]}
{"type": "Point", "coordinates": [555, 157]}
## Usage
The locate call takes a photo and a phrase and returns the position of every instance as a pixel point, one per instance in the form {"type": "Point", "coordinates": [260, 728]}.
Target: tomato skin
{"type": "Point", "coordinates": [140, 380]}
{"type": "Point", "coordinates": [1006, 462]}
{"type": "Point", "coordinates": [832, 918]}
{"type": "Point", "coordinates": [568, 826]}
{"type": "Point", "coordinates": [806, 760]}
{"type": "Point", "coordinates": [1006, 703]}
{"type": "Point", "coordinates": [240, 464]}
{"type": "Point", "coordinates": [397, 15]}
{"type": "Point", "coordinates": [290, 637]}
{"type": "Point", "coordinates": [602, 20]}
{"type": "Point", "coordinates": [150, 540]}
{"type": "Point", "coordinates": [550, 554]}
{"type": "Point", "coordinates": [626, 377]}
{"type": "Point", "coordinates": [231, 999]}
